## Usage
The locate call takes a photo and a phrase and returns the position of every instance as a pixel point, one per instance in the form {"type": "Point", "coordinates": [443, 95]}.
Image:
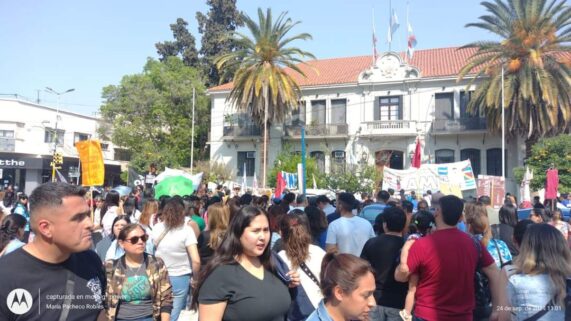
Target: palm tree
{"type": "Point", "coordinates": [534, 53]}
{"type": "Point", "coordinates": [261, 86]}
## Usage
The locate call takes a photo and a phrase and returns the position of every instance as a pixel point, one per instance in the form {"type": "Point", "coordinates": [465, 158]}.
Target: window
{"type": "Point", "coordinates": [104, 146]}
{"type": "Point", "coordinates": [319, 159]}
{"type": "Point", "coordinates": [474, 156]}
{"type": "Point", "coordinates": [464, 100]}
{"type": "Point", "coordinates": [247, 160]}
{"type": "Point", "coordinates": [444, 106]}
{"type": "Point", "coordinates": [317, 112]}
{"type": "Point", "coordinates": [298, 115]}
{"type": "Point", "coordinates": [7, 141]}
{"type": "Point", "coordinates": [77, 137]}
{"type": "Point", "coordinates": [122, 154]}
{"type": "Point", "coordinates": [494, 162]}
{"type": "Point", "coordinates": [444, 156]}
{"type": "Point", "coordinates": [337, 161]}
{"type": "Point", "coordinates": [388, 108]}
{"type": "Point", "coordinates": [339, 111]}
{"type": "Point", "coordinates": [49, 136]}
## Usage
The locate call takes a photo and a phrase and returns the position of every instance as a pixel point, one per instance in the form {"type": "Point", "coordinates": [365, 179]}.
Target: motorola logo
{"type": "Point", "coordinates": [19, 301]}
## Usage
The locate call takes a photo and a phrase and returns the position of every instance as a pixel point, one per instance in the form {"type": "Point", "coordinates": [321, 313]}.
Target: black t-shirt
{"type": "Point", "coordinates": [383, 253]}
{"type": "Point", "coordinates": [31, 289]}
{"type": "Point", "coordinates": [248, 298]}
{"type": "Point", "coordinates": [204, 250]}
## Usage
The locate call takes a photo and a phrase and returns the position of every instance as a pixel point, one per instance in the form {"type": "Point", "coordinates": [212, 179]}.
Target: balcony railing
{"type": "Point", "coordinates": [321, 130]}
{"type": "Point", "coordinates": [7, 144]}
{"type": "Point", "coordinates": [458, 125]}
{"type": "Point", "coordinates": [389, 127]}
{"type": "Point", "coordinates": [242, 131]}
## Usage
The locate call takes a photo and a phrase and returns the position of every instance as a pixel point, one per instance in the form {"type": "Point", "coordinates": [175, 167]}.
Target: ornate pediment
{"type": "Point", "coordinates": [389, 67]}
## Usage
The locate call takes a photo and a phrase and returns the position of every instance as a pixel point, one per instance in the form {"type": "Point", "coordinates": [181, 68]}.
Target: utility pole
{"type": "Point", "coordinates": [57, 159]}
{"type": "Point", "coordinates": [192, 138]}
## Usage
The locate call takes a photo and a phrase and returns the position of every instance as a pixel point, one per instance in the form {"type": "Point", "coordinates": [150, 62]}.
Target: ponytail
{"type": "Point", "coordinates": [10, 227]}
{"type": "Point", "coordinates": [296, 238]}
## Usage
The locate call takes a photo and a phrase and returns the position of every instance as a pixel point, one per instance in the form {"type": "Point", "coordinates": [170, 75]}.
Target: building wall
{"type": "Point", "coordinates": [418, 106]}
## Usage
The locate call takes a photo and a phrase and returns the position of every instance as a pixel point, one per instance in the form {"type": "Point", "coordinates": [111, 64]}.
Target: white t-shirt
{"type": "Point", "coordinates": [172, 248]}
{"type": "Point", "coordinates": [349, 234]}
{"type": "Point", "coordinates": [107, 221]}
{"type": "Point", "coordinates": [316, 255]}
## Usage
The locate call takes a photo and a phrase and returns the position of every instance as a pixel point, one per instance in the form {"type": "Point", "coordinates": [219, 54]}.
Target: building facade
{"type": "Point", "coordinates": [356, 111]}
{"type": "Point", "coordinates": [27, 141]}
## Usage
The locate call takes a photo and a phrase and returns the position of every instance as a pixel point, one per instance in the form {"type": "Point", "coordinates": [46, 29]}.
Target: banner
{"type": "Point", "coordinates": [451, 178]}
{"type": "Point", "coordinates": [494, 187]}
{"type": "Point", "coordinates": [92, 166]}
{"type": "Point", "coordinates": [169, 172]}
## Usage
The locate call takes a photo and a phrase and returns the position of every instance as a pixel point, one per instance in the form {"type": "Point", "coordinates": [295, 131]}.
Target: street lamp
{"type": "Point", "coordinates": [56, 159]}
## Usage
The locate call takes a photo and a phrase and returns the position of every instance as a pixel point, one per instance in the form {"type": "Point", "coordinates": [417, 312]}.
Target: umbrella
{"type": "Point", "coordinates": [174, 185]}
{"type": "Point", "coordinates": [122, 190]}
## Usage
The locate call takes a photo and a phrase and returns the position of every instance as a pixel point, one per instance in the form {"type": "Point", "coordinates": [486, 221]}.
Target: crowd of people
{"type": "Point", "coordinates": [238, 256]}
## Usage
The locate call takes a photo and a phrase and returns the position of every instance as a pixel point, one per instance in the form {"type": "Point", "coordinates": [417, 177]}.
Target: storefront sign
{"type": "Point", "coordinates": [17, 161]}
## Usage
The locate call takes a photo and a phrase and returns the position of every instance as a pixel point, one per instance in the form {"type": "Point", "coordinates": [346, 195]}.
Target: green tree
{"type": "Point", "coordinates": [215, 27]}
{"type": "Point", "coordinates": [533, 50]}
{"type": "Point", "coordinates": [356, 179]}
{"type": "Point", "coordinates": [287, 161]}
{"type": "Point", "coordinates": [262, 88]}
{"type": "Point", "coordinates": [149, 114]}
{"type": "Point", "coordinates": [183, 46]}
{"type": "Point", "coordinates": [547, 151]}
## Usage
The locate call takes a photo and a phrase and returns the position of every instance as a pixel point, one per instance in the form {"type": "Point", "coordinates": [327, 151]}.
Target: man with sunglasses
{"type": "Point", "coordinates": [56, 276]}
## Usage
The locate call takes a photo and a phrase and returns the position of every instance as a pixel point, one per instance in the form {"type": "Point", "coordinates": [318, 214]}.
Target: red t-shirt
{"type": "Point", "coordinates": [445, 262]}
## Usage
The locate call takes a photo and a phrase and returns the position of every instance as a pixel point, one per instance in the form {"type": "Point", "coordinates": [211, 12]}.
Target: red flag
{"type": "Point", "coordinates": [280, 185]}
{"type": "Point", "coordinates": [417, 155]}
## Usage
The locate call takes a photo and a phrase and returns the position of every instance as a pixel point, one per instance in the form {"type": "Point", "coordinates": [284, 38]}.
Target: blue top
{"type": "Point", "coordinates": [23, 210]}
{"type": "Point", "coordinates": [320, 314]}
{"type": "Point", "coordinates": [530, 294]}
{"type": "Point", "coordinates": [13, 245]}
{"type": "Point", "coordinates": [370, 212]}
{"type": "Point", "coordinates": [497, 248]}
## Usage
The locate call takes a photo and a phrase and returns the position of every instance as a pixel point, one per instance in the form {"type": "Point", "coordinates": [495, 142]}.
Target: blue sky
{"type": "Point", "coordinates": [89, 44]}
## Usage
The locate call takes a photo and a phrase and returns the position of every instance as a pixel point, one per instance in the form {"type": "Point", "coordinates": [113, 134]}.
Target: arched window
{"type": "Point", "coordinates": [319, 159]}
{"type": "Point", "coordinates": [444, 156]}
{"type": "Point", "coordinates": [474, 156]}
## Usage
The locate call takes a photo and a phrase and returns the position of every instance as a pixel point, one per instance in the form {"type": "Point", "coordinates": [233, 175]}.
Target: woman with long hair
{"type": "Point", "coordinates": [537, 289]}
{"type": "Point", "coordinates": [317, 224]}
{"type": "Point", "coordinates": [302, 256]}
{"type": "Point", "coordinates": [347, 284]}
{"type": "Point", "coordinates": [102, 247]}
{"type": "Point", "coordinates": [138, 286]}
{"type": "Point", "coordinates": [559, 223]}
{"type": "Point", "coordinates": [210, 239]}
{"type": "Point", "coordinates": [130, 209]}
{"type": "Point", "coordinates": [477, 221]}
{"type": "Point", "coordinates": [240, 282]}
{"type": "Point", "coordinates": [150, 208]}
{"type": "Point", "coordinates": [12, 232]}
{"type": "Point", "coordinates": [505, 230]}
{"type": "Point", "coordinates": [109, 211]}
{"type": "Point", "coordinates": [176, 243]}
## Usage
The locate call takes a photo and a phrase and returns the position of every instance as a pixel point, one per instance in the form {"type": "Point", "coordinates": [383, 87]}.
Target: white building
{"type": "Point", "coordinates": [27, 144]}
{"type": "Point", "coordinates": [356, 112]}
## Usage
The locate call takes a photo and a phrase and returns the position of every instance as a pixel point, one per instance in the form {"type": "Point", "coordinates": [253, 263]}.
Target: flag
{"type": "Point", "coordinates": [255, 183]}
{"type": "Point", "coordinates": [244, 179]}
{"type": "Point", "coordinates": [411, 42]}
{"type": "Point", "coordinates": [375, 53]}
{"type": "Point", "coordinates": [134, 178]}
{"type": "Point", "coordinates": [92, 166]}
{"type": "Point", "coordinates": [416, 159]}
{"type": "Point", "coordinates": [393, 26]}
{"type": "Point", "coordinates": [60, 177]}
{"type": "Point", "coordinates": [280, 185]}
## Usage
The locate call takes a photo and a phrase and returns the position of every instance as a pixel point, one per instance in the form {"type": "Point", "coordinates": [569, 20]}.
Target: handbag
{"type": "Point", "coordinates": [483, 308]}
{"type": "Point", "coordinates": [301, 307]}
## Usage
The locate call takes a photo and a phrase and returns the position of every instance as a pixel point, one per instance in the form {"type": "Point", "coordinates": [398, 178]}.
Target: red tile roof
{"type": "Point", "coordinates": [440, 62]}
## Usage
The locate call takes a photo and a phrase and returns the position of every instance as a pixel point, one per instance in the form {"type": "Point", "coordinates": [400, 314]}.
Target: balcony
{"type": "Point", "coordinates": [317, 131]}
{"type": "Point", "coordinates": [7, 144]}
{"type": "Point", "coordinates": [389, 128]}
{"type": "Point", "coordinates": [456, 126]}
{"type": "Point", "coordinates": [241, 132]}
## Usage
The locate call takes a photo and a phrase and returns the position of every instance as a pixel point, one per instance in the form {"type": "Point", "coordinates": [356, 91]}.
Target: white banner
{"type": "Point", "coordinates": [451, 178]}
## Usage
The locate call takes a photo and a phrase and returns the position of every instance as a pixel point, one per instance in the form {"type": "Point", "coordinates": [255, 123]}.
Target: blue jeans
{"type": "Point", "coordinates": [180, 286]}
{"type": "Point", "coordinates": [381, 313]}
{"type": "Point", "coordinates": [143, 319]}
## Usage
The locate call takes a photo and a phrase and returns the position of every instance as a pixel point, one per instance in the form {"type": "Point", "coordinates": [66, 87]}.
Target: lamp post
{"type": "Point", "coordinates": [55, 158]}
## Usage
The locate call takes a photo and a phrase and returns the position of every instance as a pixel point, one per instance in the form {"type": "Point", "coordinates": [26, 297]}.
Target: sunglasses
{"type": "Point", "coordinates": [135, 239]}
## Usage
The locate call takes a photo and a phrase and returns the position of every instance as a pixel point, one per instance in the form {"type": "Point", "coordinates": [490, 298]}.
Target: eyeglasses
{"type": "Point", "coordinates": [135, 239]}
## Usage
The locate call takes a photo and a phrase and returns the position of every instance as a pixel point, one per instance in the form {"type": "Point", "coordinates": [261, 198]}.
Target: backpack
{"type": "Point", "coordinates": [482, 294]}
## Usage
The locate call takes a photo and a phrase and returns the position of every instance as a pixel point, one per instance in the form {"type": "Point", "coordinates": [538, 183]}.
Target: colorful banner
{"type": "Point", "coordinates": [494, 187]}
{"type": "Point", "coordinates": [451, 178]}
{"type": "Point", "coordinates": [92, 166]}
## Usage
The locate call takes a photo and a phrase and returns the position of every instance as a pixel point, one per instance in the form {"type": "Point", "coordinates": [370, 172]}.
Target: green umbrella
{"type": "Point", "coordinates": [174, 185]}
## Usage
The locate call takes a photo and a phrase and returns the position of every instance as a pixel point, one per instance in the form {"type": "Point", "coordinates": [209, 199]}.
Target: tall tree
{"type": "Point", "coordinates": [534, 52]}
{"type": "Point", "coordinates": [149, 114]}
{"type": "Point", "coordinates": [262, 88]}
{"type": "Point", "coordinates": [221, 20]}
{"type": "Point", "coordinates": [183, 46]}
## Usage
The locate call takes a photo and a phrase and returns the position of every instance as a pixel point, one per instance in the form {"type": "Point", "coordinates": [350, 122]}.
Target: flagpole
{"type": "Point", "coordinates": [503, 130]}
{"type": "Point", "coordinates": [374, 40]}
{"type": "Point", "coordinates": [407, 24]}
{"type": "Point", "coordinates": [390, 23]}
{"type": "Point", "coordinates": [192, 139]}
